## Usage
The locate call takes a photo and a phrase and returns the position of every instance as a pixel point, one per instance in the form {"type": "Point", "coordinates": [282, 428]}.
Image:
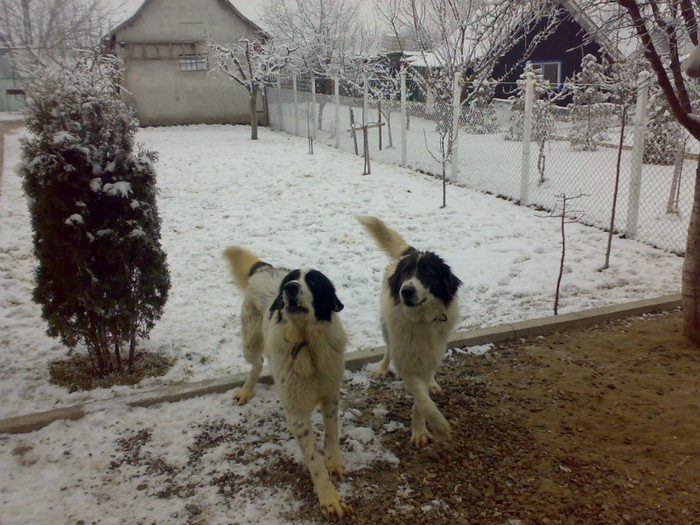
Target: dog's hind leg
{"type": "Point", "coordinates": [424, 409]}
{"type": "Point", "coordinates": [334, 461]}
{"type": "Point", "coordinates": [383, 369]}
{"type": "Point", "coordinates": [251, 332]}
{"type": "Point", "coordinates": [300, 426]}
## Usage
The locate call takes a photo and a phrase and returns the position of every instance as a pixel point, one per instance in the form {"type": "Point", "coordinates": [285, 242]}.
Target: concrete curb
{"type": "Point", "coordinates": [353, 361]}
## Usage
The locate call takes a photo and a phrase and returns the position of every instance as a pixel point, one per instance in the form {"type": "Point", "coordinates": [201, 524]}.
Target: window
{"type": "Point", "coordinates": [551, 71]}
{"type": "Point", "coordinates": [194, 62]}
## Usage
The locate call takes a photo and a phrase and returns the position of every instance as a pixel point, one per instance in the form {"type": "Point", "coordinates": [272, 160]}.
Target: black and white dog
{"type": "Point", "coordinates": [291, 318]}
{"type": "Point", "coordinates": [418, 309]}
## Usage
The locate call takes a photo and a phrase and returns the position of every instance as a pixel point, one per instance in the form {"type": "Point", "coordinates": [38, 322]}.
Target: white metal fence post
{"type": "Point", "coordinates": [640, 125]}
{"type": "Point", "coordinates": [280, 111]}
{"type": "Point", "coordinates": [336, 88]}
{"type": "Point", "coordinates": [313, 107]}
{"type": "Point", "coordinates": [404, 120]}
{"type": "Point", "coordinates": [456, 105]}
{"type": "Point", "coordinates": [527, 135]}
{"type": "Point", "coordinates": [365, 101]}
{"type": "Point", "coordinates": [296, 105]}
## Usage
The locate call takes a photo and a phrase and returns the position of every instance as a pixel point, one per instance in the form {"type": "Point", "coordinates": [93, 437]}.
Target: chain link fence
{"type": "Point", "coordinates": [654, 190]}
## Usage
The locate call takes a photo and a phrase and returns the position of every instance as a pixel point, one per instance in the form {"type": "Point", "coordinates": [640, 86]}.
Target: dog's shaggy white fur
{"type": "Point", "coordinates": [291, 318]}
{"type": "Point", "coordinates": [418, 311]}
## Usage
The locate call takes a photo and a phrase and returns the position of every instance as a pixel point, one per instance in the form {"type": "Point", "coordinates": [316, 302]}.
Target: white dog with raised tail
{"type": "Point", "coordinates": [418, 309]}
{"type": "Point", "coordinates": [290, 317]}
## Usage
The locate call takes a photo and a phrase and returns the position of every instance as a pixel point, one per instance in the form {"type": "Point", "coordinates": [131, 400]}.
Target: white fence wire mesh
{"type": "Point", "coordinates": [486, 161]}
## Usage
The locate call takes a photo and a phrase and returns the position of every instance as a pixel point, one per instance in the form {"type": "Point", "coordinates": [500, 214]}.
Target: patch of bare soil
{"type": "Point", "coordinates": [590, 426]}
{"type": "Point", "coordinates": [76, 372]}
{"type": "Point", "coordinates": [586, 426]}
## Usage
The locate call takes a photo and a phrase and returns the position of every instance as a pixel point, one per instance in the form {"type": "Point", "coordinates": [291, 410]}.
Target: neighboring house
{"type": "Point", "coordinates": [11, 91]}
{"type": "Point", "coordinates": [558, 56]}
{"type": "Point", "coordinates": [164, 52]}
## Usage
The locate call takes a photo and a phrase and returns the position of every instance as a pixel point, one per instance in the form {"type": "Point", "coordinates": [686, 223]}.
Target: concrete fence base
{"type": "Point", "coordinates": [353, 361]}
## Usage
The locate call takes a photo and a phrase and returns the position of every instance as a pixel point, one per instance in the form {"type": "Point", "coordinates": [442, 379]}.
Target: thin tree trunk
{"type": "Point", "coordinates": [132, 350]}
{"type": "Point", "coordinates": [563, 254]}
{"type": "Point", "coordinates": [253, 114]}
{"type": "Point", "coordinates": [617, 188]}
{"type": "Point", "coordinates": [672, 203]}
{"type": "Point", "coordinates": [691, 270]}
{"type": "Point", "coordinates": [117, 353]}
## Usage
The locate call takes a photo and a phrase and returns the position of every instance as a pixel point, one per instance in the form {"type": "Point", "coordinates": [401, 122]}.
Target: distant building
{"type": "Point", "coordinates": [559, 55]}
{"type": "Point", "coordinates": [165, 59]}
{"type": "Point", "coordinates": [11, 91]}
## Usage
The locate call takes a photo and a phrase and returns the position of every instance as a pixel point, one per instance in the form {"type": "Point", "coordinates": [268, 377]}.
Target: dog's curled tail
{"type": "Point", "coordinates": [388, 240]}
{"type": "Point", "coordinates": [243, 264]}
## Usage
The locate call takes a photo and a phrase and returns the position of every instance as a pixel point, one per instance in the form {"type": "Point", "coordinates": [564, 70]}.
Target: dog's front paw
{"type": "Point", "coordinates": [243, 395]}
{"type": "Point", "coordinates": [333, 506]}
{"type": "Point", "coordinates": [420, 438]}
{"type": "Point", "coordinates": [335, 468]}
{"type": "Point", "coordinates": [434, 388]}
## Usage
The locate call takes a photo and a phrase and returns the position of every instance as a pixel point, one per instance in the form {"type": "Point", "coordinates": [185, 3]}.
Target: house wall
{"type": "Point", "coordinates": [11, 91]}
{"type": "Point", "coordinates": [163, 94]}
{"type": "Point", "coordinates": [565, 44]}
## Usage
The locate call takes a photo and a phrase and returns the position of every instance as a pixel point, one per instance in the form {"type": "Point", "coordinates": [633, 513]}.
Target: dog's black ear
{"type": "Point", "coordinates": [278, 303]}
{"type": "Point", "coordinates": [325, 301]}
{"type": "Point", "coordinates": [452, 283]}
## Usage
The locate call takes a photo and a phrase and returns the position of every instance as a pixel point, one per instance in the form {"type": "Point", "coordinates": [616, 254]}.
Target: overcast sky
{"type": "Point", "coordinates": [251, 9]}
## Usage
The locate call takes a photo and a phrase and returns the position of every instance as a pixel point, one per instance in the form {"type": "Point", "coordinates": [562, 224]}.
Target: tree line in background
{"type": "Point", "coordinates": [109, 188]}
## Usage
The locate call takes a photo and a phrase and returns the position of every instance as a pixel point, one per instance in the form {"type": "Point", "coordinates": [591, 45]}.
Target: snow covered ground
{"type": "Point", "coordinates": [218, 188]}
{"type": "Point", "coordinates": [488, 163]}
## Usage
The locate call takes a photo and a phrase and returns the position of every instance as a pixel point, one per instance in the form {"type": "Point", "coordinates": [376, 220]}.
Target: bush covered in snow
{"type": "Point", "coordinates": [480, 115]}
{"type": "Point", "coordinates": [542, 115]}
{"type": "Point", "coordinates": [590, 115]}
{"type": "Point", "coordinates": [102, 278]}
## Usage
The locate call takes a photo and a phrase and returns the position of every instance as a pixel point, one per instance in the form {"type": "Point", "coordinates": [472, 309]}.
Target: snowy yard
{"type": "Point", "coordinates": [218, 188]}
{"type": "Point", "coordinates": [489, 163]}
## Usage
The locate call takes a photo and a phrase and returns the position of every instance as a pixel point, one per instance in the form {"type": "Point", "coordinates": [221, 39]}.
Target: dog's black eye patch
{"type": "Point", "coordinates": [405, 269]}
{"type": "Point", "coordinates": [437, 276]}
{"type": "Point", "coordinates": [325, 301]}
{"type": "Point", "coordinates": [278, 303]}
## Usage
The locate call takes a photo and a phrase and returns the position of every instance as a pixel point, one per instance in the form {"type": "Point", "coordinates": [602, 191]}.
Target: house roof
{"type": "Point", "coordinates": [133, 8]}
{"type": "Point", "coordinates": [594, 19]}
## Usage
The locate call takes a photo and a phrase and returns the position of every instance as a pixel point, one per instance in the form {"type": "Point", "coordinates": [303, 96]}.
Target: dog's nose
{"type": "Point", "coordinates": [408, 293]}
{"type": "Point", "coordinates": [292, 288]}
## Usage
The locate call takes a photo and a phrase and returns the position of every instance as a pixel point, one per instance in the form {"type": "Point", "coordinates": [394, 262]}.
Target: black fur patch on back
{"type": "Point", "coordinates": [430, 269]}
{"type": "Point", "coordinates": [257, 266]}
{"type": "Point", "coordinates": [325, 301]}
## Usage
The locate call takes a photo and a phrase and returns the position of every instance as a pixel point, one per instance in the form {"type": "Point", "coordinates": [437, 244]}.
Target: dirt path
{"type": "Point", "coordinates": [589, 426]}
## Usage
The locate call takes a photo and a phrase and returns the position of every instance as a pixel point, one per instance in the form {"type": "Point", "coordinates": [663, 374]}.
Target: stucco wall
{"type": "Point", "coordinates": [160, 92]}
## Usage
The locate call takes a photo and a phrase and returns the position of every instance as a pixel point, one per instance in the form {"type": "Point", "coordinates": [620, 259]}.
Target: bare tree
{"type": "Point", "coordinates": [39, 33]}
{"type": "Point", "coordinates": [251, 64]}
{"type": "Point", "coordinates": [466, 36]}
{"type": "Point", "coordinates": [665, 29]}
{"type": "Point", "coordinates": [566, 216]}
{"type": "Point", "coordinates": [330, 36]}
